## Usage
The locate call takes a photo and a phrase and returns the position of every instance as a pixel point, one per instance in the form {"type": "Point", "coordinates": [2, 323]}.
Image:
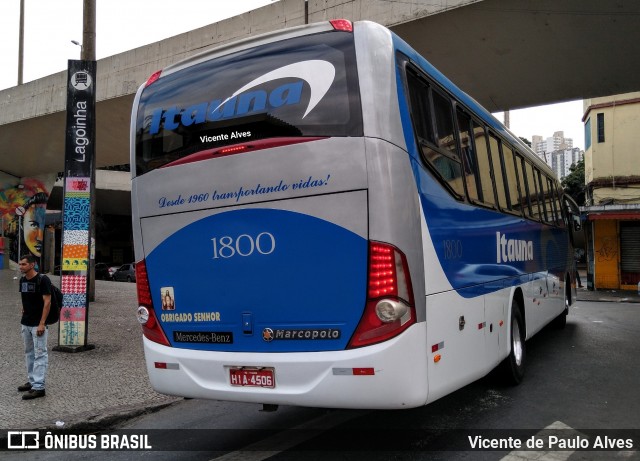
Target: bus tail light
{"type": "Point", "coordinates": [154, 77]}
{"type": "Point", "coordinates": [232, 149]}
{"type": "Point", "coordinates": [390, 309]}
{"type": "Point", "coordinates": [342, 24]}
{"type": "Point", "coordinates": [146, 314]}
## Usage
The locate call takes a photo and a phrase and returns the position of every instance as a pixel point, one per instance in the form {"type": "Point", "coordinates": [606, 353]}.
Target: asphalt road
{"type": "Point", "coordinates": [584, 379]}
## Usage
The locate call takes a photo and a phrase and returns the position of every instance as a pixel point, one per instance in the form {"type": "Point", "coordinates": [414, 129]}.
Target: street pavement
{"type": "Point", "coordinates": [95, 389]}
{"type": "Point", "coordinates": [91, 389]}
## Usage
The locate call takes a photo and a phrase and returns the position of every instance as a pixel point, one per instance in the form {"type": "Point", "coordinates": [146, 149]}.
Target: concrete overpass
{"type": "Point", "coordinates": [506, 53]}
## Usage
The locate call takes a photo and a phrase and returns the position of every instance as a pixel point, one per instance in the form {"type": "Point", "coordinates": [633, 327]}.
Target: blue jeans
{"type": "Point", "coordinates": [36, 355]}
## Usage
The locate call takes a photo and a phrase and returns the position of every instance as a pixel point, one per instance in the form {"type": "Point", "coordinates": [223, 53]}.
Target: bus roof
{"type": "Point", "coordinates": [250, 42]}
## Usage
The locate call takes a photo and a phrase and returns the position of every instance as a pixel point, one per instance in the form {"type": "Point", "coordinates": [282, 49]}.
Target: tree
{"type": "Point", "coordinates": [526, 141]}
{"type": "Point", "coordinates": [573, 183]}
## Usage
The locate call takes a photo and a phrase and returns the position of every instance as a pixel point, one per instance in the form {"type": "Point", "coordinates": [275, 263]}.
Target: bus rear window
{"type": "Point", "coordinates": [305, 86]}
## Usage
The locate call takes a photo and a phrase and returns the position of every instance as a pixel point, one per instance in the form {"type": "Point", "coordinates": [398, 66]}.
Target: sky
{"type": "Point", "coordinates": [546, 120]}
{"type": "Point", "coordinates": [51, 25]}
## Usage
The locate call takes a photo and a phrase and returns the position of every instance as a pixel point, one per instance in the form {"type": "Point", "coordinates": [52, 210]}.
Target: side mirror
{"type": "Point", "coordinates": [577, 224]}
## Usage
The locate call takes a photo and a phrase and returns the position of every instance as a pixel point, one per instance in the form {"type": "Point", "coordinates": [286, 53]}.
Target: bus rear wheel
{"type": "Point", "coordinates": [512, 369]}
{"type": "Point", "coordinates": [561, 321]}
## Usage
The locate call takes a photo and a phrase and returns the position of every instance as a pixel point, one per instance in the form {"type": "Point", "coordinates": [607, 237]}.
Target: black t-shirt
{"type": "Point", "coordinates": [32, 302]}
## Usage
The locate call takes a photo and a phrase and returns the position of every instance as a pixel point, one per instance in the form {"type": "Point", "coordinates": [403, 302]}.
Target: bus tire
{"type": "Point", "coordinates": [560, 321]}
{"type": "Point", "coordinates": [512, 371]}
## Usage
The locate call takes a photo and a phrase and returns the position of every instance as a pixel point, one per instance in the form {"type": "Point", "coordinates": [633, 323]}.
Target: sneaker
{"type": "Point", "coordinates": [25, 387]}
{"type": "Point", "coordinates": [33, 394]}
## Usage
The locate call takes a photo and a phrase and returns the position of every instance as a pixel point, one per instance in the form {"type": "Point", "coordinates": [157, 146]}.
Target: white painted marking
{"type": "Point", "coordinates": [542, 455]}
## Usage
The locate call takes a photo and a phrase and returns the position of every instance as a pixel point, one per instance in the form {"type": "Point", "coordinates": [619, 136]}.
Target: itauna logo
{"type": "Point", "coordinates": [509, 250]}
{"type": "Point", "coordinates": [317, 73]}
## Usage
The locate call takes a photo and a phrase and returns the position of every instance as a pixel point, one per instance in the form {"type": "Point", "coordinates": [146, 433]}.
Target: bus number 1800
{"type": "Point", "coordinates": [244, 245]}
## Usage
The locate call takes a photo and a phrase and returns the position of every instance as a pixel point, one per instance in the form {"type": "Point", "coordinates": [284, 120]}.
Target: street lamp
{"type": "Point", "coordinates": [75, 42]}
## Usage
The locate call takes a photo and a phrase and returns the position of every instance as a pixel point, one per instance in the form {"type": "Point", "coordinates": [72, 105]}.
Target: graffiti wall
{"type": "Point", "coordinates": [607, 254]}
{"type": "Point", "coordinates": [23, 204]}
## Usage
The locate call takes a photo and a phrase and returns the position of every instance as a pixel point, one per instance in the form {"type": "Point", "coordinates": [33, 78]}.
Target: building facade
{"type": "Point", "coordinates": [612, 178]}
{"type": "Point", "coordinates": [561, 161]}
{"type": "Point", "coordinates": [543, 147]}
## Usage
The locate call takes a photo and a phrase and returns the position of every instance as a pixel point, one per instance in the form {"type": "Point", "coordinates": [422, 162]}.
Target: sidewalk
{"type": "Point", "coordinates": [89, 389]}
{"type": "Point", "coordinates": [616, 296]}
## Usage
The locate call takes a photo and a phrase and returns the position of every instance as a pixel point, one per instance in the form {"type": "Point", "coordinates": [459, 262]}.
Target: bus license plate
{"type": "Point", "coordinates": [254, 377]}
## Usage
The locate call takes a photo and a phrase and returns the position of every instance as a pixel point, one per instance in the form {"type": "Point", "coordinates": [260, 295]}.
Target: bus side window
{"type": "Point", "coordinates": [443, 115]}
{"type": "Point", "coordinates": [534, 198]}
{"type": "Point", "coordinates": [561, 217]}
{"type": "Point", "coordinates": [497, 172]}
{"type": "Point", "coordinates": [484, 168]}
{"type": "Point", "coordinates": [544, 212]}
{"type": "Point", "coordinates": [524, 187]}
{"type": "Point", "coordinates": [548, 200]}
{"type": "Point", "coordinates": [420, 108]}
{"type": "Point", "coordinates": [511, 179]}
{"type": "Point", "coordinates": [553, 201]}
{"type": "Point", "coordinates": [469, 158]}
{"type": "Point", "coordinates": [433, 121]}
{"type": "Point", "coordinates": [446, 159]}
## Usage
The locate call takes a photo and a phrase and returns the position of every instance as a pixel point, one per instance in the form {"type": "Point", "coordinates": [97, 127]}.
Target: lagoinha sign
{"type": "Point", "coordinates": [318, 74]}
{"type": "Point", "coordinates": [80, 131]}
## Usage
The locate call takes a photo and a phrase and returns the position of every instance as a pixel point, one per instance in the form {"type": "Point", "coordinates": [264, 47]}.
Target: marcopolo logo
{"type": "Point", "coordinates": [510, 250]}
{"type": "Point", "coordinates": [269, 334]}
{"type": "Point", "coordinates": [318, 74]}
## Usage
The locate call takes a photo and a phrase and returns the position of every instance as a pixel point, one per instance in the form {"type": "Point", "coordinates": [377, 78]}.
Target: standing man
{"type": "Point", "coordinates": [36, 302]}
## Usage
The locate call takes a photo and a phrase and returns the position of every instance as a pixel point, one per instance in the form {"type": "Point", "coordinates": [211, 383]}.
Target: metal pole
{"type": "Point", "coordinates": [88, 53]}
{"type": "Point", "coordinates": [19, 238]}
{"type": "Point", "coordinates": [21, 43]}
{"type": "Point", "coordinates": [89, 31]}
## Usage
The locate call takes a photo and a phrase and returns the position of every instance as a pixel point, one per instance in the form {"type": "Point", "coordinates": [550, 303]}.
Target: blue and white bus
{"type": "Point", "coordinates": [321, 218]}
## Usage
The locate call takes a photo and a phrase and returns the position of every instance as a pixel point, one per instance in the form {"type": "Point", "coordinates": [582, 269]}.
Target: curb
{"type": "Point", "coordinates": [609, 300]}
{"type": "Point", "coordinates": [98, 422]}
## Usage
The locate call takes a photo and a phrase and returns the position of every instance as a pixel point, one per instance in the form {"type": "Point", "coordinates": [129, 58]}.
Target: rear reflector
{"type": "Point", "coordinates": [354, 371]}
{"type": "Point", "coordinates": [364, 371]}
{"type": "Point", "coordinates": [166, 366]}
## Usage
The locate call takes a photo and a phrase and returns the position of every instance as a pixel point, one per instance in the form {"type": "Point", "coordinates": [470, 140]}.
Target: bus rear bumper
{"type": "Point", "coordinates": [392, 374]}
